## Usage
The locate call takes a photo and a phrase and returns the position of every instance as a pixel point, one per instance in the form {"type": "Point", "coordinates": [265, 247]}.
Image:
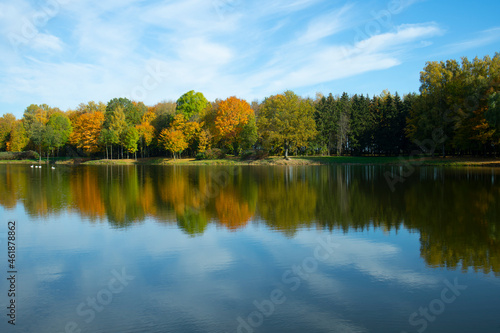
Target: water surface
{"type": "Point", "coordinates": [252, 249]}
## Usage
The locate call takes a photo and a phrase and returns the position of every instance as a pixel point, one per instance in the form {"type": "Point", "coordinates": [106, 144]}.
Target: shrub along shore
{"type": "Point", "coordinates": [26, 158]}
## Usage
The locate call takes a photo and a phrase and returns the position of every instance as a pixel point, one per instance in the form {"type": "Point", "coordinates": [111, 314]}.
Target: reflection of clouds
{"type": "Point", "coordinates": [373, 258]}
{"type": "Point", "coordinates": [49, 273]}
{"type": "Point", "coordinates": [317, 319]}
{"type": "Point", "coordinates": [193, 284]}
{"type": "Point", "coordinates": [210, 259]}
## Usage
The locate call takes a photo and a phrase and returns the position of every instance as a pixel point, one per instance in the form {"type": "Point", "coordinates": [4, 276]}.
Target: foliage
{"type": "Point", "coordinates": [211, 154]}
{"type": "Point", "coordinates": [254, 154]}
{"type": "Point", "coordinates": [456, 100]}
{"type": "Point", "coordinates": [133, 112]}
{"type": "Point", "coordinates": [86, 131]}
{"type": "Point", "coordinates": [18, 137]}
{"type": "Point", "coordinates": [7, 122]}
{"type": "Point", "coordinates": [23, 155]}
{"type": "Point", "coordinates": [58, 131]}
{"type": "Point", "coordinates": [191, 104]}
{"type": "Point", "coordinates": [131, 137]}
{"type": "Point", "coordinates": [285, 120]}
{"type": "Point", "coordinates": [173, 140]}
{"type": "Point", "coordinates": [231, 117]}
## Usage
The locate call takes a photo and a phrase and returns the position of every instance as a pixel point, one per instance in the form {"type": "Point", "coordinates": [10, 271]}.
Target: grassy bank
{"type": "Point", "coordinates": [316, 160]}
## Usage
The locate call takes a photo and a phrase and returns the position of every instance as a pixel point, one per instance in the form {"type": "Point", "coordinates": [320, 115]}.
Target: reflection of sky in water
{"type": "Point", "coordinates": [69, 244]}
{"type": "Point", "coordinates": [372, 281]}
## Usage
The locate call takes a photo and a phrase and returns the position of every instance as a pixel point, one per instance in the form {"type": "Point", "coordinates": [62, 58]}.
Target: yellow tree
{"type": "Point", "coordinates": [146, 130]}
{"type": "Point", "coordinates": [86, 131]}
{"type": "Point", "coordinates": [204, 139]}
{"type": "Point", "coordinates": [173, 140]}
{"type": "Point", "coordinates": [190, 129]}
{"type": "Point", "coordinates": [6, 124]}
{"type": "Point", "coordinates": [18, 137]}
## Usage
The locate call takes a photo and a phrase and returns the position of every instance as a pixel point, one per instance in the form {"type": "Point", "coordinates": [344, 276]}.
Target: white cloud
{"type": "Point", "coordinates": [45, 42]}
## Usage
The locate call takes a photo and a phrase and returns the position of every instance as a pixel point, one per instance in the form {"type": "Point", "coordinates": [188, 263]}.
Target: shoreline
{"type": "Point", "coordinates": [280, 161]}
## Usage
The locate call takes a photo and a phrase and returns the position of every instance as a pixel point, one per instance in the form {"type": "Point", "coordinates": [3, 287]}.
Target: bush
{"type": "Point", "coordinates": [29, 155]}
{"type": "Point", "coordinates": [247, 154]}
{"type": "Point", "coordinates": [7, 155]}
{"type": "Point", "coordinates": [23, 155]}
{"type": "Point", "coordinates": [211, 154]}
{"type": "Point", "coordinates": [254, 154]}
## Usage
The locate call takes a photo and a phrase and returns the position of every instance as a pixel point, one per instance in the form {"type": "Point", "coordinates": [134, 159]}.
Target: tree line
{"type": "Point", "coordinates": [457, 109]}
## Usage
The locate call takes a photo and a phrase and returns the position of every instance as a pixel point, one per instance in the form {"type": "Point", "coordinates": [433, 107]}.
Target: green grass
{"type": "Point", "coordinates": [354, 159]}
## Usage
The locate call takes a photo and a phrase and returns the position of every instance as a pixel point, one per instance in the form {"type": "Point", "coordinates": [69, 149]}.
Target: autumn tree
{"type": "Point", "coordinates": [86, 131]}
{"type": "Point", "coordinates": [455, 101]}
{"type": "Point", "coordinates": [18, 138]}
{"type": "Point", "coordinates": [173, 140]}
{"type": "Point", "coordinates": [232, 115]}
{"type": "Point", "coordinates": [146, 131]}
{"type": "Point", "coordinates": [190, 130]}
{"type": "Point", "coordinates": [287, 119]}
{"type": "Point", "coordinates": [91, 107]}
{"type": "Point", "coordinates": [7, 122]}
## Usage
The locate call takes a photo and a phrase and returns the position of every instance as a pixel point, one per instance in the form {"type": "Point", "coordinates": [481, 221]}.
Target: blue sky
{"type": "Point", "coordinates": [65, 52]}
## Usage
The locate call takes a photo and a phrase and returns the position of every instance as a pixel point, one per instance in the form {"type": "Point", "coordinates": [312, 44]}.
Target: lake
{"type": "Point", "coordinates": [250, 249]}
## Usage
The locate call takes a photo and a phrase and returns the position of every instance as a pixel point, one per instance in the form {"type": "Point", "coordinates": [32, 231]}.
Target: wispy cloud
{"type": "Point", "coordinates": [326, 25]}
{"type": "Point", "coordinates": [485, 37]}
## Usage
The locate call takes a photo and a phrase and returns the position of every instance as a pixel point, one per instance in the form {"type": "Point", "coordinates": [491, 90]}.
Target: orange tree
{"type": "Point", "coordinates": [231, 117]}
{"type": "Point", "coordinates": [86, 131]}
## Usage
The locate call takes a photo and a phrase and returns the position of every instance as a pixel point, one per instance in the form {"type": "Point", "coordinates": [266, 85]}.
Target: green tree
{"type": "Point", "coordinates": [132, 111]}
{"type": "Point", "coordinates": [361, 125]}
{"type": "Point", "coordinates": [493, 115]}
{"type": "Point", "coordinates": [287, 119]}
{"type": "Point", "coordinates": [131, 137]}
{"type": "Point", "coordinates": [249, 135]}
{"type": "Point", "coordinates": [59, 128]}
{"type": "Point", "coordinates": [325, 118]}
{"type": "Point", "coordinates": [191, 104]}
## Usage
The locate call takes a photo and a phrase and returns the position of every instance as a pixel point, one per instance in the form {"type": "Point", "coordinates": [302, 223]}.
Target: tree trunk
{"type": "Point", "coordinates": [286, 149]}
